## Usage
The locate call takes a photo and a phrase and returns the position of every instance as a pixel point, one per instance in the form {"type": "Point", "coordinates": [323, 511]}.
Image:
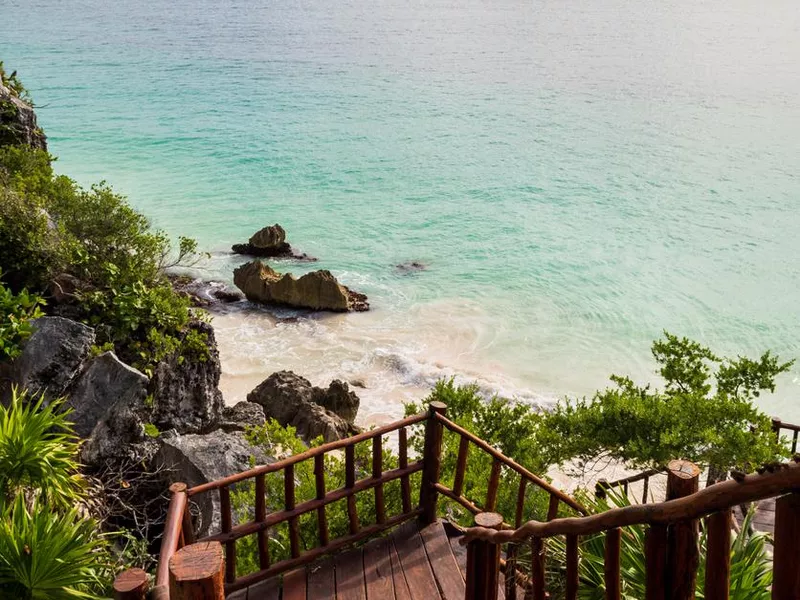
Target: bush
{"type": "Point", "coordinates": [49, 225]}
{"type": "Point", "coordinates": [16, 313]}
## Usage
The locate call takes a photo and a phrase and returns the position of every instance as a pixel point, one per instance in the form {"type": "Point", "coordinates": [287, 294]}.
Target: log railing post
{"type": "Point", "coordinates": [196, 572]}
{"type": "Point", "coordinates": [718, 555]}
{"type": "Point", "coordinates": [170, 542]}
{"type": "Point", "coordinates": [132, 584]}
{"type": "Point", "coordinates": [683, 554]}
{"type": "Point", "coordinates": [786, 571]}
{"type": "Point", "coordinates": [432, 456]}
{"type": "Point", "coordinates": [483, 561]}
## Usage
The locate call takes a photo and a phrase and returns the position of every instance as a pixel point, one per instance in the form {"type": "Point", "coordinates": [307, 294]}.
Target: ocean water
{"type": "Point", "coordinates": [577, 175]}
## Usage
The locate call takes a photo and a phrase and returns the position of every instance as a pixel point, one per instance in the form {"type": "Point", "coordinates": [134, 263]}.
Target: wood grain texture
{"type": "Point", "coordinates": [350, 575]}
{"type": "Point", "coordinates": [378, 570]}
{"type": "Point", "coordinates": [321, 583]}
{"type": "Point", "coordinates": [294, 585]}
{"type": "Point", "coordinates": [443, 562]}
{"type": "Point", "coordinates": [611, 566]}
{"type": "Point", "coordinates": [196, 572]}
{"type": "Point", "coordinates": [132, 584]}
{"type": "Point", "coordinates": [414, 562]}
{"type": "Point", "coordinates": [718, 555]}
{"type": "Point", "coordinates": [786, 582]}
{"type": "Point", "coordinates": [655, 545]}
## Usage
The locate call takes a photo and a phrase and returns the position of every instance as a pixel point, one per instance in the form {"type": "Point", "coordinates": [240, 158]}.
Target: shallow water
{"type": "Point", "coordinates": [577, 175]}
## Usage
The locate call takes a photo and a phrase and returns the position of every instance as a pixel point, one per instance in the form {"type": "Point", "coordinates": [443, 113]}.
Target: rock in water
{"type": "Point", "coordinates": [291, 400]}
{"type": "Point", "coordinates": [318, 290]}
{"type": "Point", "coordinates": [270, 242]}
{"type": "Point", "coordinates": [18, 122]}
{"type": "Point", "coordinates": [52, 356]}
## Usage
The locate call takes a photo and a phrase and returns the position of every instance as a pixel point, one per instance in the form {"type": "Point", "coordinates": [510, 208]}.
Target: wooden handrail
{"type": "Point", "coordinates": [170, 543]}
{"type": "Point", "coordinates": [782, 479]}
{"type": "Point", "coordinates": [499, 456]}
{"type": "Point", "coordinates": [311, 453]}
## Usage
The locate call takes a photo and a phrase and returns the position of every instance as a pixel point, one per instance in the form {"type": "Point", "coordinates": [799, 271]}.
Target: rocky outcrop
{"type": "Point", "coordinates": [241, 415]}
{"type": "Point", "coordinates": [205, 294]}
{"type": "Point", "coordinates": [407, 268]}
{"type": "Point", "coordinates": [292, 400]}
{"type": "Point", "coordinates": [104, 385]}
{"type": "Point", "coordinates": [52, 356]}
{"type": "Point", "coordinates": [18, 121]}
{"type": "Point", "coordinates": [270, 242]}
{"type": "Point", "coordinates": [197, 459]}
{"type": "Point", "coordinates": [318, 290]}
{"type": "Point", "coordinates": [185, 389]}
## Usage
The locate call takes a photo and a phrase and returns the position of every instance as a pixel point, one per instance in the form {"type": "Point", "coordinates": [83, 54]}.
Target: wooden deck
{"type": "Point", "coordinates": [409, 564]}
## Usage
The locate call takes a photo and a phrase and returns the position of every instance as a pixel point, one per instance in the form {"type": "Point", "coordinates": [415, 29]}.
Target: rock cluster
{"type": "Point", "coordinates": [318, 290]}
{"type": "Point", "coordinates": [292, 400]}
{"type": "Point", "coordinates": [270, 242]}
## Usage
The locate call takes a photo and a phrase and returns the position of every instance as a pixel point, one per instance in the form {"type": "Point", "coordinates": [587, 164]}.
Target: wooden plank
{"type": "Point", "coordinates": [443, 562]}
{"type": "Point", "coordinates": [321, 581]}
{"type": "Point", "coordinates": [294, 585]}
{"type": "Point", "coordinates": [414, 562]}
{"type": "Point", "coordinates": [378, 570]}
{"type": "Point", "coordinates": [401, 590]}
{"type": "Point", "coordinates": [265, 590]}
{"type": "Point", "coordinates": [350, 576]}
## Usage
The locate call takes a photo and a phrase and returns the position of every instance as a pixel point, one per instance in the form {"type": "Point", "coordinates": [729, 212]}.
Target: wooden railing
{"type": "Point", "coordinates": [603, 485]}
{"type": "Point", "coordinates": [779, 426]}
{"type": "Point", "coordinates": [179, 530]}
{"type": "Point", "coordinates": [671, 542]}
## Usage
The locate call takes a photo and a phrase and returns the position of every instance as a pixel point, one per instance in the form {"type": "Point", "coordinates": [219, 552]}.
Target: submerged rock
{"type": "Point", "coordinates": [413, 266]}
{"type": "Point", "coordinates": [292, 400]}
{"type": "Point", "coordinates": [269, 242]}
{"type": "Point", "coordinates": [318, 290]}
{"type": "Point", "coordinates": [205, 294]}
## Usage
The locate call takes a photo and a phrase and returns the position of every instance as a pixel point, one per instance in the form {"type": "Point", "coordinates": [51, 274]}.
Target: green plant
{"type": "Point", "coordinates": [751, 572]}
{"type": "Point", "coordinates": [47, 555]}
{"type": "Point", "coordinates": [705, 413]}
{"type": "Point", "coordinates": [16, 313]}
{"type": "Point", "coordinates": [151, 430]}
{"type": "Point", "coordinates": [37, 452]}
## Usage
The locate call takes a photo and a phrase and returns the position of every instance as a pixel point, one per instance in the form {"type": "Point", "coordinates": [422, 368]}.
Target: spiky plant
{"type": "Point", "coordinates": [48, 555]}
{"type": "Point", "coordinates": [38, 451]}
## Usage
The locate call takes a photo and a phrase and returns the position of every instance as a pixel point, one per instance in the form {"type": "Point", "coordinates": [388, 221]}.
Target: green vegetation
{"type": "Point", "coordinates": [48, 550]}
{"type": "Point", "coordinates": [16, 313]}
{"type": "Point", "coordinates": [91, 250]}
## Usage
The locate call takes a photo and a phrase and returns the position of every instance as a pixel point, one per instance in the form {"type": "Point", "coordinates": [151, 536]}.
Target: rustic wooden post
{"type": "Point", "coordinates": [196, 572]}
{"type": "Point", "coordinates": [718, 555]}
{"type": "Point", "coordinates": [132, 584]}
{"type": "Point", "coordinates": [683, 554]}
{"type": "Point", "coordinates": [655, 547]}
{"type": "Point", "coordinates": [432, 457]}
{"type": "Point", "coordinates": [786, 571]}
{"type": "Point", "coordinates": [776, 427]}
{"type": "Point", "coordinates": [483, 561]}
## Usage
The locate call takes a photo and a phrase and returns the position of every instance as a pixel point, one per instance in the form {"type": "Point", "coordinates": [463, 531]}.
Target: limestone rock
{"type": "Point", "coordinates": [199, 458]}
{"type": "Point", "coordinates": [18, 122]}
{"type": "Point", "coordinates": [318, 290]}
{"type": "Point", "coordinates": [242, 415]}
{"type": "Point", "coordinates": [186, 394]}
{"type": "Point", "coordinates": [270, 242]}
{"type": "Point", "coordinates": [292, 400]}
{"type": "Point", "coordinates": [52, 356]}
{"type": "Point", "coordinates": [105, 383]}
{"type": "Point", "coordinates": [205, 294]}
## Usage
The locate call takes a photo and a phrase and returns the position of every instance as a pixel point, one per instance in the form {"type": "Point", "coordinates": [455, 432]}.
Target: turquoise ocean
{"type": "Point", "coordinates": [577, 175]}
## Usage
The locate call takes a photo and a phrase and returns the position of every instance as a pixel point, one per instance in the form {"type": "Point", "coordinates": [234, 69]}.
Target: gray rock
{"type": "Point", "coordinates": [242, 415]}
{"type": "Point", "coordinates": [105, 383]}
{"type": "Point", "coordinates": [52, 356]}
{"type": "Point", "coordinates": [18, 122]}
{"type": "Point", "coordinates": [292, 400]}
{"type": "Point", "coordinates": [186, 394]}
{"type": "Point", "coordinates": [196, 459]}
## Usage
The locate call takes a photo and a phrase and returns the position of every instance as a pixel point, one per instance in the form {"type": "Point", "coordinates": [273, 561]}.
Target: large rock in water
{"type": "Point", "coordinates": [52, 356]}
{"type": "Point", "coordinates": [318, 290]}
{"type": "Point", "coordinates": [185, 390]}
{"type": "Point", "coordinates": [18, 122]}
{"type": "Point", "coordinates": [292, 400]}
{"type": "Point", "coordinates": [270, 242]}
{"type": "Point", "coordinates": [196, 459]}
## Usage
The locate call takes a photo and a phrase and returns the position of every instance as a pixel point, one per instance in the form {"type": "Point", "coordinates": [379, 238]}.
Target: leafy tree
{"type": "Point", "coordinates": [705, 413]}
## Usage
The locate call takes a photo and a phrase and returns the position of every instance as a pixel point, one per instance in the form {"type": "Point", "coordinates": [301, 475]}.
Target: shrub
{"type": "Point", "coordinates": [16, 313]}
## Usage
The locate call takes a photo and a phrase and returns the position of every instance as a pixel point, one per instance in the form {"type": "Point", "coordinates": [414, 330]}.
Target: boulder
{"type": "Point", "coordinates": [105, 383]}
{"type": "Point", "coordinates": [270, 242]}
{"type": "Point", "coordinates": [18, 121]}
{"type": "Point", "coordinates": [242, 415]}
{"type": "Point", "coordinates": [318, 290]}
{"type": "Point", "coordinates": [185, 390]}
{"type": "Point", "coordinates": [205, 294]}
{"type": "Point", "coordinates": [292, 400]}
{"type": "Point", "coordinates": [196, 459]}
{"type": "Point", "coordinates": [52, 356]}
